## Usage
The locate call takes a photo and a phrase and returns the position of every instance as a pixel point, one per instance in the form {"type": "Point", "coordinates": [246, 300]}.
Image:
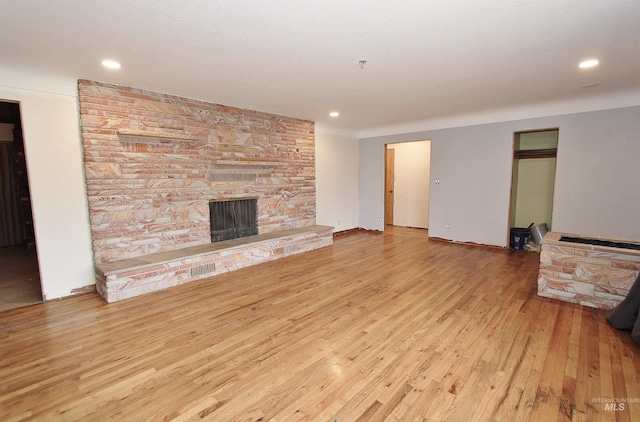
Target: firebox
{"type": "Point", "coordinates": [230, 219]}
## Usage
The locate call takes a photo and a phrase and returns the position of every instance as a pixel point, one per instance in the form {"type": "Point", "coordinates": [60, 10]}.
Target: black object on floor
{"type": "Point", "coordinates": [625, 315]}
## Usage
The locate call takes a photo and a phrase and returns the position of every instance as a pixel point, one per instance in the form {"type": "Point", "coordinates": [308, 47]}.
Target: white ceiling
{"type": "Point", "coordinates": [428, 61]}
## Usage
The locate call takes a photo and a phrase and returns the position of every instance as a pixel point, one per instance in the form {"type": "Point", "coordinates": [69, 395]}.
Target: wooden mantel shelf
{"type": "Point", "coordinates": [149, 136]}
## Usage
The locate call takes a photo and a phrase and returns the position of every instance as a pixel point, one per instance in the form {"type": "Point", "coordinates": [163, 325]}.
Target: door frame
{"type": "Point", "coordinates": [532, 154]}
{"type": "Point", "coordinates": [389, 169]}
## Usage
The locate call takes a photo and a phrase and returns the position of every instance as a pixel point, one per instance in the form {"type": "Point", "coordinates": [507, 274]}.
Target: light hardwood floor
{"type": "Point", "coordinates": [375, 327]}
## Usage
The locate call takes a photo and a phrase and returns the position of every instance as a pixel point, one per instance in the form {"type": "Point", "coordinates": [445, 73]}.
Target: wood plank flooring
{"type": "Point", "coordinates": [376, 327]}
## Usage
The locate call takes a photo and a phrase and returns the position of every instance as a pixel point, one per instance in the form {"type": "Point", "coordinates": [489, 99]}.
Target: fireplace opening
{"type": "Point", "coordinates": [231, 219]}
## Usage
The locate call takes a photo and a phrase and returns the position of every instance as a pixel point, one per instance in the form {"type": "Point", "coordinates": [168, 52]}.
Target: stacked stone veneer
{"type": "Point", "coordinates": [132, 277]}
{"type": "Point", "coordinates": [153, 161]}
{"type": "Point", "coordinates": [590, 275]}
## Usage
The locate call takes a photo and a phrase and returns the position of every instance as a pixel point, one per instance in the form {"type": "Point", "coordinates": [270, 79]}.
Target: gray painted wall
{"type": "Point", "coordinates": [597, 189]}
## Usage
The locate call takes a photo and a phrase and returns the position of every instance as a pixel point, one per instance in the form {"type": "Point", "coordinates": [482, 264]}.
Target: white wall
{"type": "Point", "coordinates": [411, 183]}
{"type": "Point", "coordinates": [49, 112]}
{"type": "Point", "coordinates": [371, 183]}
{"type": "Point", "coordinates": [337, 181]}
{"type": "Point", "coordinates": [597, 179]}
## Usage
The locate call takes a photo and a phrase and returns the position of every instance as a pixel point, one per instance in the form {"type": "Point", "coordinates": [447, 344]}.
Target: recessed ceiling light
{"type": "Point", "coordinates": [588, 63]}
{"type": "Point", "coordinates": [111, 64]}
{"type": "Point", "coordinates": [334, 114]}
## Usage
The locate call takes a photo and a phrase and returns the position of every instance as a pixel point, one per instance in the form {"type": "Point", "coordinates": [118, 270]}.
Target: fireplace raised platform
{"type": "Point", "coordinates": [132, 277]}
{"type": "Point", "coordinates": [590, 271]}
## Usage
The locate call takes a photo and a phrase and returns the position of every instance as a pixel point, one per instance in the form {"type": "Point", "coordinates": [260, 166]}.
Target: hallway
{"type": "Point", "coordinates": [19, 277]}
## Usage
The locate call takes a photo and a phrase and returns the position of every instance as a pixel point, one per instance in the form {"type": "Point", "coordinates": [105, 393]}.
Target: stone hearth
{"type": "Point", "coordinates": [136, 276]}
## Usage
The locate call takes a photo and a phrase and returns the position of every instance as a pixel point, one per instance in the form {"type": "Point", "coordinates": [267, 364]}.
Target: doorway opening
{"type": "Point", "coordinates": [533, 178]}
{"type": "Point", "coordinates": [19, 278]}
{"type": "Point", "coordinates": [407, 172]}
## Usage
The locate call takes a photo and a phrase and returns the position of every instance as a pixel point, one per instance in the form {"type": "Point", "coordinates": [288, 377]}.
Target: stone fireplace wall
{"type": "Point", "coordinates": [153, 161]}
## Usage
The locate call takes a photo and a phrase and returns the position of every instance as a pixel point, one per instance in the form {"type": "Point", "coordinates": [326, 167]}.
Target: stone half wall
{"type": "Point", "coordinates": [153, 161]}
{"type": "Point", "coordinates": [594, 276]}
